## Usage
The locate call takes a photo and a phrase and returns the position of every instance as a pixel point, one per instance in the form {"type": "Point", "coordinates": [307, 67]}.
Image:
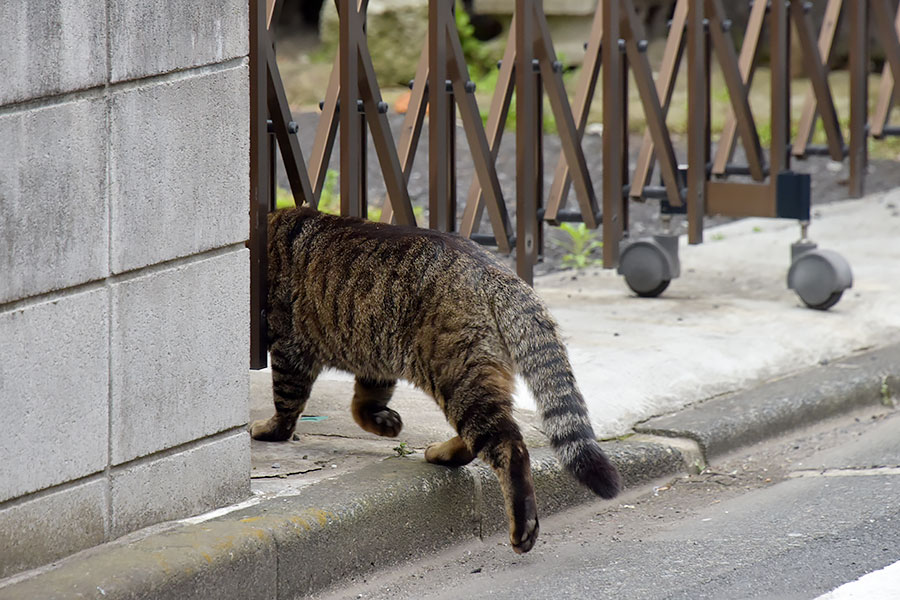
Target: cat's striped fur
{"type": "Point", "coordinates": [387, 303]}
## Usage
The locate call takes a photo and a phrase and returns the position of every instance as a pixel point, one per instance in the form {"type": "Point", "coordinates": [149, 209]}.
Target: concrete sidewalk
{"type": "Point", "coordinates": [726, 357]}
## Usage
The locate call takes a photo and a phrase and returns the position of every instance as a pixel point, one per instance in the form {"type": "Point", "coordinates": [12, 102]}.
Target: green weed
{"type": "Point", "coordinates": [579, 245]}
{"type": "Point", "coordinates": [329, 199]}
{"type": "Point", "coordinates": [403, 450]}
{"type": "Point", "coordinates": [886, 398]}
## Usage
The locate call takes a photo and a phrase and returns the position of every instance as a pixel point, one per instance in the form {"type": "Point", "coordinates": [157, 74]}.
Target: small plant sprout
{"type": "Point", "coordinates": [580, 244]}
{"type": "Point", "coordinates": [403, 450]}
{"type": "Point", "coordinates": [886, 398]}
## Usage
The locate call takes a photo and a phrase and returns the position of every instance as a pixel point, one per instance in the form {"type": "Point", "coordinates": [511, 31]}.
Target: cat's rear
{"type": "Point", "coordinates": [387, 302]}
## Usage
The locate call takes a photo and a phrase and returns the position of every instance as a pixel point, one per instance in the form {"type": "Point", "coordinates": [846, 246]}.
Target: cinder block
{"type": "Point", "coordinates": [50, 47]}
{"type": "Point", "coordinates": [207, 476]}
{"type": "Point", "coordinates": [53, 392]}
{"type": "Point", "coordinates": [158, 36]}
{"type": "Point", "coordinates": [179, 168]}
{"type": "Point", "coordinates": [41, 530]}
{"type": "Point", "coordinates": [54, 219]}
{"type": "Point", "coordinates": [180, 347]}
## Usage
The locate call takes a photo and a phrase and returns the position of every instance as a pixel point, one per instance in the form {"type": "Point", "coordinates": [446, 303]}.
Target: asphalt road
{"type": "Point", "coordinates": [792, 518]}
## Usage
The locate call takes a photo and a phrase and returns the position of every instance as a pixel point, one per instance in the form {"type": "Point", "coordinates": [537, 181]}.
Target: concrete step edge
{"type": "Point", "coordinates": [295, 546]}
{"type": "Point", "coordinates": [726, 423]}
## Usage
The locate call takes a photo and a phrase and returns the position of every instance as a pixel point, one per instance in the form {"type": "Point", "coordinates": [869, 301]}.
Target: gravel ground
{"type": "Point", "coordinates": [828, 179]}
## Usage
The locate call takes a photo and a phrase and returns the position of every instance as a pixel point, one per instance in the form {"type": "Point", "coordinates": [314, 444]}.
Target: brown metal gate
{"type": "Point", "coordinates": [530, 69]}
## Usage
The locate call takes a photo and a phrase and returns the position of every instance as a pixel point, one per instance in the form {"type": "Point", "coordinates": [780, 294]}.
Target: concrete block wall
{"type": "Point", "coordinates": [124, 186]}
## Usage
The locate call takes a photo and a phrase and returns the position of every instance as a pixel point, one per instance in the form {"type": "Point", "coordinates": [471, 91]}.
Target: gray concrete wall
{"type": "Point", "coordinates": [124, 184]}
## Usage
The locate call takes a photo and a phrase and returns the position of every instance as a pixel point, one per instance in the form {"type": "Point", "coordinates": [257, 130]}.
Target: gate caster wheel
{"type": "Point", "coordinates": [650, 264]}
{"type": "Point", "coordinates": [819, 277]}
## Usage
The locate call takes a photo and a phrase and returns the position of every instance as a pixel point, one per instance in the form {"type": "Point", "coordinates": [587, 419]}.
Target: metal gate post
{"type": "Point", "coordinates": [613, 131]}
{"type": "Point", "coordinates": [859, 95]}
{"type": "Point", "coordinates": [259, 189]}
{"type": "Point", "coordinates": [527, 184]}
{"type": "Point", "coordinates": [439, 186]}
{"type": "Point", "coordinates": [350, 138]}
{"type": "Point", "coordinates": [698, 118]}
{"type": "Point", "coordinates": [779, 34]}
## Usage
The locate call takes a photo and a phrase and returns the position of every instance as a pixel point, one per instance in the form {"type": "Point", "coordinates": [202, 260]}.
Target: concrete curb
{"type": "Point", "coordinates": [294, 546]}
{"type": "Point", "coordinates": [729, 422]}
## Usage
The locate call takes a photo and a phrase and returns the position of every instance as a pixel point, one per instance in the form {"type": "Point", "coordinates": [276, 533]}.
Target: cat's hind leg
{"type": "Point", "coordinates": [481, 411]}
{"type": "Point", "coordinates": [370, 410]}
{"type": "Point", "coordinates": [292, 380]}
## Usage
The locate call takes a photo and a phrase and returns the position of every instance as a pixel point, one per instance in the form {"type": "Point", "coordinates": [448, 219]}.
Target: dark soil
{"type": "Point", "coordinates": [828, 180]}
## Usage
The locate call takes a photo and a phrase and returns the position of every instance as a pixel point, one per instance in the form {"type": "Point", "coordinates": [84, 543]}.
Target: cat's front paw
{"type": "Point", "coordinates": [270, 430]}
{"type": "Point", "coordinates": [384, 421]}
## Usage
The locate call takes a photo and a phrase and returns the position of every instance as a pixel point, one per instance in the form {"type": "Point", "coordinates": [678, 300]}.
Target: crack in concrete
{"type": "Point", "coordinates": [846, 472]}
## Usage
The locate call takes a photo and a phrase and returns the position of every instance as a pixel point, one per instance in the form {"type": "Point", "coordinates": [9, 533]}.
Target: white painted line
{"type": "Point", "coordinates": [878, 585]}
{"type": "Point", "coordinates": [220, 511]}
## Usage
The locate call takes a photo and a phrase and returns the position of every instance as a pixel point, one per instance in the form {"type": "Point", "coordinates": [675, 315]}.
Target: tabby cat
{"type": "Point", "coordinates": [387, 302]}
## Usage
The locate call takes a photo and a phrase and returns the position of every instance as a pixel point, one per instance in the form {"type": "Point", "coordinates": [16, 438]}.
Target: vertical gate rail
{"type": "Point", "coordinates": [259, 188]}
{"type": "Point", "coordinates": [859, 89]}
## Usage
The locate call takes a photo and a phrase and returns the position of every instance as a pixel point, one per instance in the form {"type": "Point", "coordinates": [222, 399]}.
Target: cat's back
{"type": "Point", "coordinates": [355, 252]}
{"type": "Point", "coordinates": [356, 290]}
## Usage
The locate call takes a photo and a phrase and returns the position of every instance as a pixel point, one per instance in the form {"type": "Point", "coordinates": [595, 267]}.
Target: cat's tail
{"type": "Point", "coordinates": [530, 334]}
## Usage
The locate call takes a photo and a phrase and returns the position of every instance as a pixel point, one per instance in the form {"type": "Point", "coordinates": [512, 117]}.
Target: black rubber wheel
{"type": "Point", "coordinates": [828, 303]}
{"type": "Point", "coordinates": [659, 289]}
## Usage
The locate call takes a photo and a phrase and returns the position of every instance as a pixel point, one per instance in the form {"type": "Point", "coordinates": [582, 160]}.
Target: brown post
{"type": "Point", "coordinates": [349, 117]}
{"type": "Point", "coordinates": [613, 131]}
{"type": "Point", "coordinates": [450, 149]}
{"type": "Point", "coordinates": [623, 214]}
{"type": "Point", "coordinates": [698, 118]}
{"type": "Point", "coordinates": [779, 35]}
{"type": "Point", "coordinates": [538, 167]}
{"type": "Point", "coordinates": [859, 97]}
{"type": "Point", "coordinates": [527, 183]}
{"type": "Point", "coordinates": [259, 190]}
{"type": "Point", "coordinates": [438, 120]}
